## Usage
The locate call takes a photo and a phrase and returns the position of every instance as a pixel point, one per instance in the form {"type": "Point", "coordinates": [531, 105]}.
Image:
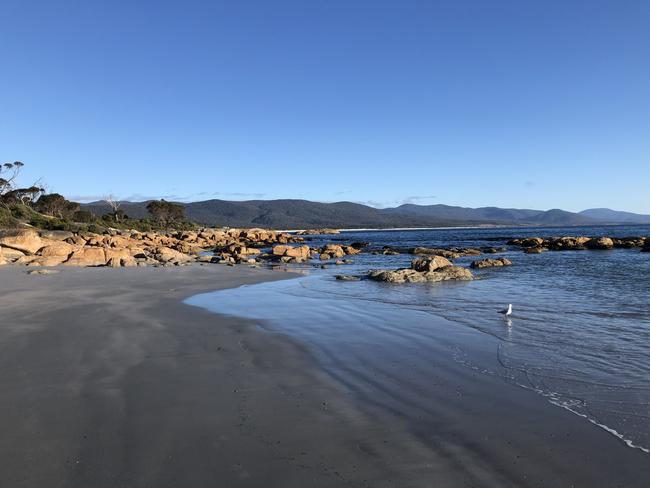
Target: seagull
{"type": "Point", "coordinates": [506, 312]}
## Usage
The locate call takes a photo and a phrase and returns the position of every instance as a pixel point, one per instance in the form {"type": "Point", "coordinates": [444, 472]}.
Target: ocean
{"type": "Point", "coordinates": [579, 336]}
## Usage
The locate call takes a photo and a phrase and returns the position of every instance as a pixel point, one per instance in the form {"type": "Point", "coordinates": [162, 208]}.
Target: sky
{"type": "Point", "coordinates": [527, 104]}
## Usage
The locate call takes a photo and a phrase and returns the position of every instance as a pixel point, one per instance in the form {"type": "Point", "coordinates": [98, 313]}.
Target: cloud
{"type": "Point", "coordinates": [418, 198]}
{"type": "Point", "coordinates": [238, 194]}
{"type": "Point", "coordinates": [85, 198]}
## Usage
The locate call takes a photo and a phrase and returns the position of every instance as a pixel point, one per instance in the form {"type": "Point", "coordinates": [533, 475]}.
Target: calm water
{"type": "Point", "coordinates": [579, 335]}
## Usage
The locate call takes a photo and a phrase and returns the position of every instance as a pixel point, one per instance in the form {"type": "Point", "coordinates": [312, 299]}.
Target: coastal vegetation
{"type": "Point", "coordinates": [32, 206]}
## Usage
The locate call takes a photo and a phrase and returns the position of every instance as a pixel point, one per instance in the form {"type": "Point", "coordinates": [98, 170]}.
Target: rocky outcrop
{"type": "Point", "coordinates": [450, 253]}
{"type": "Point", "coordinates": [576, 243]}
{"type": "Point", "coordinates": [430, 264]}
{"type": "Point", "coordinates": [131, 248]}
{"type": "Point", "coordinates": [26, 241]}
{"type": "Point", "coordinates": [600, 243]}
{"type": "Point", "coordinates": [334, 251]}
{"type": "Point", "coordinates": [296, 252]}
{"type": "Point", "coordinates": [491, 263]}
{"type": "Point", "coordinates": [311, 232]}
{"type": "Point", "coordinates": [422, 270]}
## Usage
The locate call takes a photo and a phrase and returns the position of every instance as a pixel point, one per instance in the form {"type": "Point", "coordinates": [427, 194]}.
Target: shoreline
{"type": "Point", "coordinates": [110, 379]}
{"type": "Point", "coordinates": [463, 407]}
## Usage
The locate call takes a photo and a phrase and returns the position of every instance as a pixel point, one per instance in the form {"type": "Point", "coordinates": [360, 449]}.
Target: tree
{"type": "Point", "coordinates": [166, 212]}
{"type": "Point", "coordinates": [83, 216]}
{"type": "Point", "coordinates": [8, 174]}
{"type": "Point", "coordinates": [56, 205]}
{"type": "Point", "coordinates": [10, 194]}
{"type": "Point", "coordinates": [115, 206]}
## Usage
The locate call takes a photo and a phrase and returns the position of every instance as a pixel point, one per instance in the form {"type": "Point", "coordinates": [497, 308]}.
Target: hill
{"type": "Point", "coordinates": [616, 216]}
{"type": "Point", "coordinates": [304, 214]}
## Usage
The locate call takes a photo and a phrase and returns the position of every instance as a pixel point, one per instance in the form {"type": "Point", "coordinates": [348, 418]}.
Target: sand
{"type": "Point", "coordinates": [108, 380]}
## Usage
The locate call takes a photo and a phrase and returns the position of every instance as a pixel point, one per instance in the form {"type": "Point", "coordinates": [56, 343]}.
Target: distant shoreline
{"type": "Point", "coordinates": [466, 227]}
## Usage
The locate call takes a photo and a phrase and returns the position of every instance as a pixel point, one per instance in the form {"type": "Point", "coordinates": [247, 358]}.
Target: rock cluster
{"type": "Point", "coordinates": [429, 269]}
{"type": "Point", "coordinates": [131, 248]}
{"type": "Point", "coordinates": [334, 251]}
{"type": "Point", "coordinates": [450, 253]}
{"type": "Point", "coordinates": [312, 232]}
{"type": "Point", "coordinates": [491, 263]}
{"type": "Point", "coordinates": [572, 243]}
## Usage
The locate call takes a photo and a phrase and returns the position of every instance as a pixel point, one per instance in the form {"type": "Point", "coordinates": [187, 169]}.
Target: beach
{"type": "Point", "coordinates": [109, 379]}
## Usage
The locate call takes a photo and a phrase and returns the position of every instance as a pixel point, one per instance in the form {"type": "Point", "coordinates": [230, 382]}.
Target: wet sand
{"type": "Point", "coordinates": [109, 380]}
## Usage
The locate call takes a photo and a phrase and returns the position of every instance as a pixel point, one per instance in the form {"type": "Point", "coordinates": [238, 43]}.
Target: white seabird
{"type": "Point", "coordinates": [507, 311]}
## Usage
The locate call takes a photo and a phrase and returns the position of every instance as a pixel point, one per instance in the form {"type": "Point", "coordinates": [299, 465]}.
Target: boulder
{"type": "Point", "coordinates": [56, 235]}
{"type": "Point", "coordinates": [46, 261]}
{"type": "Point", "coordinates": [491, 263]}
{"type": "Point", "coordinates": [168, 255]}
{"type": "Point", "coordinates": [535, 250]}
{"type": "Point", "coordinates": [430, 263]}
{"type": "Point", "coordinates": [87, 256]}
{"type": "Point", "coordinates": [3, 260]}
{"type": "Point", "coordinates": [11, 254]}
{"type": "Point", "coordinates": [117, 258]}
{"type": "Point", "coordinates": [408, 275]}
{"type": "Point", "coordinates": [27, 240]}
{"type": "Point", "coordinates": [445, 253]}
{"type": "Point", "coordinates": [57, 248]}
{"type": "Point", "coordinates": [599, 243]}
{"type": "Point", "coordinates": [301, 252]}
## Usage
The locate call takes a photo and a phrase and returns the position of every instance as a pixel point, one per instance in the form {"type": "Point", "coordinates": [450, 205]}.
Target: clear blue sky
{"type": "Point", "coordinates": [535, 104]}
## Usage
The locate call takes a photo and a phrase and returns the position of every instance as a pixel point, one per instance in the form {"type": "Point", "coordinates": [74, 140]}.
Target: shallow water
{"type": "Point", "coordinates": [579, 334]}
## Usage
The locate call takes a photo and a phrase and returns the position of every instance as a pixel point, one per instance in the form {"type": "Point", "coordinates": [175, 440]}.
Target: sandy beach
{"type": "Point", "coordinates": [109, 380]}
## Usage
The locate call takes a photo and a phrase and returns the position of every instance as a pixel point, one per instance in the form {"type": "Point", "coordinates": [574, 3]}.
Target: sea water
{"type": "Point", "coordinates": [579, 335]}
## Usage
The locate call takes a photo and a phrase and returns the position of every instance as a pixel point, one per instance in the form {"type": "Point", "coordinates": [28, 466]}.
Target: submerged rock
{"type": "Point", "coordinates": [342, 277]}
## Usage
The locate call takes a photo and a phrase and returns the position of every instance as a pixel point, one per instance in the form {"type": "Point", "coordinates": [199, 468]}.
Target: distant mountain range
{"type": "Point", "coordinates": [304, 214]}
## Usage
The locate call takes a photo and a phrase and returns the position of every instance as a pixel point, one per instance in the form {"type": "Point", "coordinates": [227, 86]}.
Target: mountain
{"type": "Point", "coordinates": [615, 216]}
{"type": "Point", "coordinates": [285, 214]}
{"type": "Point", "coordinates": [494, 215]}
{"type": "Point", "coordinates": [304, 214]}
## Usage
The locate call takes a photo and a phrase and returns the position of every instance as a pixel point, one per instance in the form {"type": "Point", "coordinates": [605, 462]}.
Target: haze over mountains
{"type": "Point", "coordinates": [304, 214]}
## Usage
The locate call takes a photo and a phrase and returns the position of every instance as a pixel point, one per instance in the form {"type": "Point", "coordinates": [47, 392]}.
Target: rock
{"type": "Point", "coordinates": [27, 241]}
{"type": "Point", "coordinates": [445, 253]}
{"type": "Point", "coordinates": [535, 250]}
{"type": "Point", "coordinates": [430, 263]}
{"type": "Point", "coordinates": [46, 261]}
{"type": "Point", "coordinates": [359, 245]}
{"type": "Point", "coordinates": [168, 255]}
{"type": "Point", "coordinates": [87, 256]}
{"type": "Point", "coordinates": [347, 278]}
{"type": "Point", "coordinates": [301, 252]}
{"type": "Point", "coordinates": [42, 272]}
{"type": "Point", "coordinates": [56, 235]}
{"type": "Point", "coordinates": [57, 248]}
{"type": "Point", "coordinates": [317, 232]}
{"type": "Point", "coordinates": [412, 276]}
{"type": "Point", "coordinates": [491, 263]}
{"type": "Point", "coordinates": [116, 258]}
{"type": "Point", "coordinates": [11, 254]}
{"type": "Point", "coordinates": [3, 260]}
{"type": "Point", "coordinates": [531, 242]}
{"type": "Point", "coordinates": [599, 243]}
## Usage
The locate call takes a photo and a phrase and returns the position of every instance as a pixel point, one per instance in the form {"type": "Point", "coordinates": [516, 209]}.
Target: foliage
{"type": "Point", "coordinates": [56, 205]}
{"type": "Point", "coordinates": [167, 212]}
